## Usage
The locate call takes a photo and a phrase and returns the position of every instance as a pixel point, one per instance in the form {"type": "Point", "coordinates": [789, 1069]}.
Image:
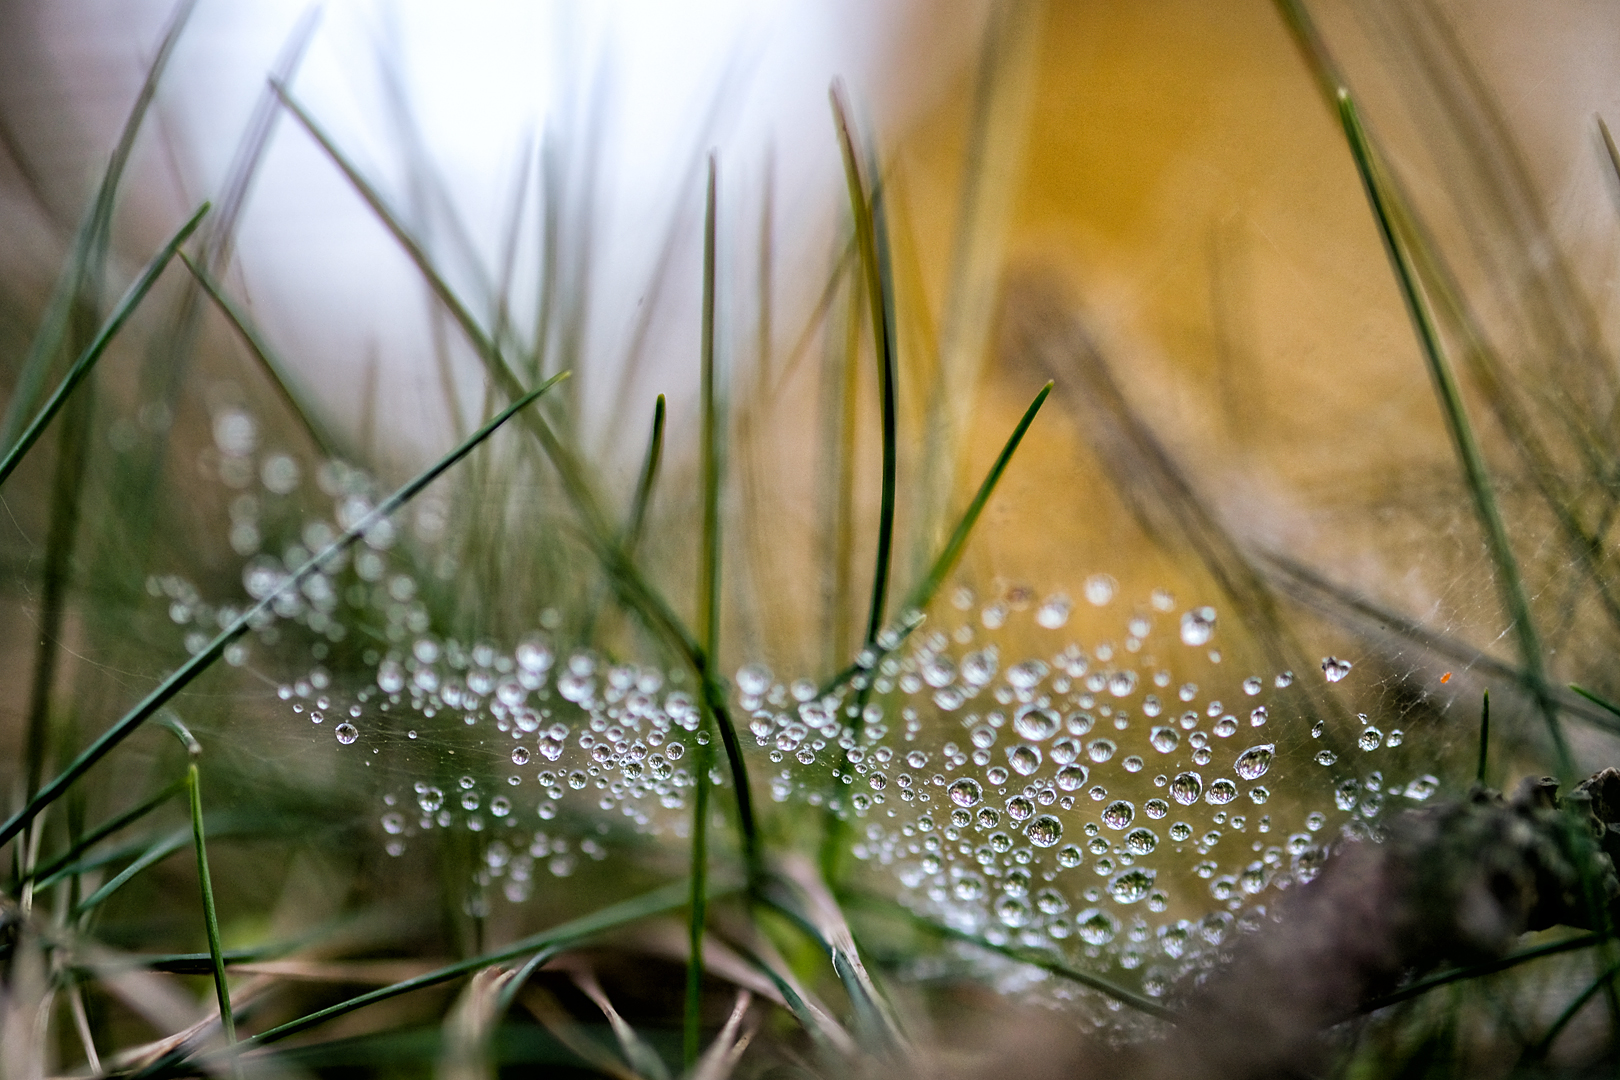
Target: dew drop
{"type": "Point", "coordinates": [1326, 757]}
{"type": "Point", "coordinates": [1155, 808]}
{"type": "Point", "coordinates": [1186, 788]}
{"type": "Point", "coordinates": [1054, 612]}
{"type": "Point", "coordinates": [1131, 886]}
{"type": "Point", "coordinates": [1180, 831]}
{"type": "Point", "coordinates": [1252, 685]}
{"type": "Point", "coordinates": [1334, 668]}
{"type": "Point", "coordinates": [1118, 814]}
{"type": "Point", "coordinates": [1051, 902]}
{"type": "Point", "coordinates": [1257, 718]}
{"type": "Point", "coordinates": [1253, 762]}
{"type": "Point", "coordinates": [1221, 792]}
{"type": "Point", "coordinates": [1072, 777]}
{"type": "Point", "coordinates": [1100, 589]}
{"type": "Point", "coordinates": [1198, 626]}
{"type": "Point", "coordinates": [1013, 911]}
{"type": "Point", "coordinates": [1023, 759]}
{"type": "Point", "coordinates": [1044, 831]}
{"type": "Point", "coordinates": [1096, 927]}
{"type": "Point", "coordinates": [1020, 808]}
{"type": "Point", "coordinates": [1036, 724]}
{"type": "Point", "coordinates": [520, 755]}
{"type": "Point", "coordinates": [1371, 738]}
{"type": "Point", "coordinates": [1100, 750]}
{"type": "Point", "coordinates": [1164, 739]}
{"type": "Point", "coordinates": [988, 817]}
{"type": "Point", "coordinates": [1141, 841]}
{"type": "Point", "coordinates": [1070, 857]}
{"type": "Point", "coordinates": [346, 733]}
{"type": "Point", "coordinates": [965, 792]}
{"type": "Point", "coordinates": [1421, 788]}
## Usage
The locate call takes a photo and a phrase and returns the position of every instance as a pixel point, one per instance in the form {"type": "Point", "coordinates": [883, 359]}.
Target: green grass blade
{"type": "Point", "coordinates": [174, 683]}
{"type": "Point", "coordinates": [644, 483]}
{"type": "Point", "coordinates": [946, 560]}
{"type": "Point", "coordinates": [872, 242]}
{"type": "Point", "coordinates": [1510, 585]}
{"type": "Point", "coordinates": [216, 952]}
{"type": "Point", "coordinates": [259, 347]}
{"type": "Point", "coordinates": [1476, 971]}
{"type": "Point", "coordinates": [1539, 1051]}
{"type": "Point", "coordinates": [708, 628]}
{"type": "Point", "coordinates": [632, 587]}
{"type": "Point", "coordinates": [93, 352]}
{"type": "Point", "coordinates": [81, 282]}
{"type": "Point", "coordinates": [1032, 957]}
{"type": "Point", "coordinates": [1608, 145]}
{"type": "Point", "coordinates": [1594, 699]}
{"type": "Point", "coordinates": [156, 853]}
{"type": "Point", "coordinates": [1484, 738]}
{"type": "Point", "coordinates": [51, 872]}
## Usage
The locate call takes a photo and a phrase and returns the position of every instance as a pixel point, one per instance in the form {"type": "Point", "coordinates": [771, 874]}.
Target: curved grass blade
{"type": "Point", "coordinates": [1024, 956]}
{"type": "Point", "coordinates": [872, 242]}
{"type": "Point", "coordinates": [93, 352]}
{"type": "Point", "coordinates": [1510, 585]}
{"type": "Point", "coordinates": [1594, 699]}
{"type": "Point", "coordinates": [154, 854]}
{"type": "Point", "coordinates": [632, 587]}
{"type": "Point", "coordinates": [169, 687]}
{"type": "Point", "coordinates": [280, 377]}
{"type": "Point", "coordinates": [640, 1056]}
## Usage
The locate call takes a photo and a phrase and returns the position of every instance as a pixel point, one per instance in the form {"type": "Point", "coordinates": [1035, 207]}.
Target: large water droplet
{"type": "Point", "coordinates": [1044, 831]}
{"type": "Point", "coordinates": [1023, 759]}
{"type": "Point", "coordinates": [1096, 927]}
{"type": "Point", "coordinates": [1100, 750]}
{"type": "Point", "coordinates": [1221, 792]}
{"type": "Point", "coordinates": [346, 733]}
{"type": "Point", "coordinates": [1118, 814]}
{"type": "Point", "coordinates": [1371, 738]}
{"type": "Point", "coordinates": [1141, 841]}
{"type": "Point", "coordinates": [1054, 613]}
{"type": "Point", "coordinates": [1155, 808]}
{"type": "Point", "coordinates": [1012, 911]}
{"type": "Point", "coordinates": [520, 755]}
{"type": "Point", "coordinates": [1180, 831]}
{"type": "Point", "coordinates": [1036, 724]}
{"type": "Point", "coordinates": [1253, 762]}
{"type": "Point", "coordinates": [1334, 668]}
{"type": "Point", "coordinates": [1072, 777]}
{"type": "Point", "coordinates": [1186, 788]}
{"type": "Point", "coordinates": [1164, 739]}
{"type": "Point", "coordinates": [1019, 808]}
{"type": "Point", "coordinates": [1198, 626]}
{"type": "Point", "coordinates": [1070, 857]}
{"type": "Point", "coordinates": [1131, 886]}
{"type": "Point", "coordinates": [1051, 902]}
{"type": "Point", "coordinates": [1122, 683]}
{"type": "Point", "coordinates": [965, 792]}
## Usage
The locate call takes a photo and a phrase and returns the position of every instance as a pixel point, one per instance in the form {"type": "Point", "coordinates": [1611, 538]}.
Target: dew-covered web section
{"type": "Point", "coordinates": [1120, 799]}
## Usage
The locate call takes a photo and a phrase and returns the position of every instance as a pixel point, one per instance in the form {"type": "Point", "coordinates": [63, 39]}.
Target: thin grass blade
{"type": "Point", "coordinates": [182, 677]}
{"type": "Point", "coordinates": [57, 868]}
{"type": "Point", "coordinates": [216, 952]}
{"type": "Point", "coordinates": [93, 352]}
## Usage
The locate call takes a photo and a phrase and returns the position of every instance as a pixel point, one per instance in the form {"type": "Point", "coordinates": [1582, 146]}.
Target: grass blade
{"type": "Point", "coordinates": [1476, 971]}
{"type": "Point", "coordinates": [51, 872]}
{"type": "Point", "coordinates": [708, 628]}
{"type": "Point", "coordinates": [1510, 585]}
{"type": "Point", "coordinates": [1594, 699]}
{"type": "Point", "coordinates": [1032, 957]}
{"type": "Point", "coordinates": [280, 377]}
{"type": "Point", "coordinates": [156, 853]}
{"type": "Point", "coordinates": [93, 352]}
{"type": "Point", "coordinates": [1484, 738]}
{"type": "Point", "coordinates": [1539, 1051]}
{"type": "Point", "coordinates": [872, 242]}
{"type": "Point", "coordinates": [174, 683]}
{"type": "Point", "coordinates": [216, 954]}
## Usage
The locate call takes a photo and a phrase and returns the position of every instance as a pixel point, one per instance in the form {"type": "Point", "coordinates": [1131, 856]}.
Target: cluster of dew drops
{"type": "Point", "coordinates": [1008, 830]}
{"type": "Point", "coordinates": [1037, 825]}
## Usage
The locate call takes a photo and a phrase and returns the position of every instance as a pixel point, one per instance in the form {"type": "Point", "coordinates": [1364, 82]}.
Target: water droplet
{"type": "Point", "coordinates": [1054, 613]}
{"type": "Point", "coordinates": [1395, 738]}
{"type": "Point", "coordinates": [1096, 927]}
{"type": "Point", "coordinates": [1072, 777]}
{"type": "Point", "coordinates": [1064, 751]}
{"type": "Point", "coordinates": [1371, 738]}
{"type": "Point", "coordinates": [1423, 787]}
{"type": "Point", "coordinates": [1253, 762]}
{"type": "Point", "coordinates": [393, 823]}
{"type": "Point", "coordinates": [965, 792]}
{"type": "Point", "coordinates": [1220, 792]}
{"type": "Point", "coordinates": [1100, 750]}
{"type": "Point", "coordinates": [1252, 685]}
{"type": "Point", "coordinates": [988, 817]}
{"type": "Point", "coordinates": [1257, 718]}
{"type": "Point", "coordinates": [1133, 764]}
{"type": "Point", "coordinates": [1334, 668]}
{"type": "Point", "coordinates": [1100, 589]}
{"type": "Point", "coordinates": [1012, 911]}
{"type": "Point", "coordinates": [1020, 808]}
{"type": "Point", "coordinates": [1141, 841]}
{"type": "Point", "coordinates": [1118, 814]}
{"type": "Point", "coordinates": [1258, 796]}
{"type": "Point", "coordinates": [1198, 626]}
{"type": "Point", "coordinates": [520, 755]}
{"type": "Point", "coordinates": [1155, 808]}
{"type": "Point", "coordinates": [346, 733]}
{"type": "Point", "coordinates": [996, 775]}
{"type": "Point", "coordinates": [1186, 788]}
{"type": "Point", "coordinates": [1051, 902]}
{"type": "Point", "coordinates": [500, 806]}
{"type": "Point", "coordinates": [1164, 739]}
{"type": "Point", "coordinates": [968, 887]}
{"type": "Point", "coordinates": [1346, 794]}
{"type": "Point", "coordinates": [1036, 724]}
{"type": "Point", "coordinates": [1069, 857]}
{"type": "Point", "coordinates": [1226, 726]}
{"type": "Point", "coordinates": [1023, 759]}
{"type": "Point", "coordinates": [1122, 683]}
{"type": "Point", "coordinates": [1131, 886]}
{"type": "Point", "coordinates": [1326, 757]}
{"type": "Point", "coordinates": [1044, 831]}
{"type": "Point", "coordinates": [1180, 831]}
